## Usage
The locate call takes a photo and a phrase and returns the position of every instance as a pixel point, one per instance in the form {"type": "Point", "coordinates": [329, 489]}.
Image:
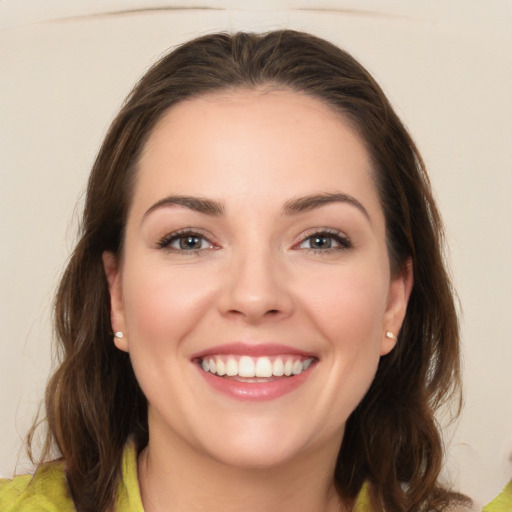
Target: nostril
{"type": "Point", "coordinates": [272, 312]}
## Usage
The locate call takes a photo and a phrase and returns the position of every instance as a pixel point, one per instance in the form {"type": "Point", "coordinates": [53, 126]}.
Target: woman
{"type": "Point", "coordinates": [257, 315]}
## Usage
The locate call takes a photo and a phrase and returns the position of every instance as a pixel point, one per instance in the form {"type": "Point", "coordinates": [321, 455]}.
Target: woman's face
{"type": "Point", "coordinates": [254, 291]}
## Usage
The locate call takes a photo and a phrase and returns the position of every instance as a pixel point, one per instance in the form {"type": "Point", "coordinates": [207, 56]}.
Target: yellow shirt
{"type": "Point", "coordinates": [47, 490]}
{"type": "Point", "coordinates": [502, 502]}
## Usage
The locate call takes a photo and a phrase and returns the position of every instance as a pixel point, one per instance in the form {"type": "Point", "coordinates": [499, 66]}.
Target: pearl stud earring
{"type": "Point", "coordinates": [390, 335]}
{"type": "Point", "coordinates": [119, 334]}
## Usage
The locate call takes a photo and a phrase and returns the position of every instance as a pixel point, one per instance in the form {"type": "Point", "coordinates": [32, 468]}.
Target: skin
{"type": "Point", "coordinates": [257, 277]}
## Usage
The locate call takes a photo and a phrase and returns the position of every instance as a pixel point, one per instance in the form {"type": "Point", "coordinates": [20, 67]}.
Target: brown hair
{"type": "Point", "coordinates": [392, 440]}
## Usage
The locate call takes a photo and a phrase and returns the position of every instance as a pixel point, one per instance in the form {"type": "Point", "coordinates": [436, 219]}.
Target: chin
{"type": "Point", "coordinates": [255, 457]}
{"type": "Point", "coordinates": [260, 444]}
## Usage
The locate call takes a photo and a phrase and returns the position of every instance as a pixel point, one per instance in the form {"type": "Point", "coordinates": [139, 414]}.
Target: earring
{"type": "Point", "coordinates": [119, 334]}
{"type": "Point", "coordinates": [390, 336]}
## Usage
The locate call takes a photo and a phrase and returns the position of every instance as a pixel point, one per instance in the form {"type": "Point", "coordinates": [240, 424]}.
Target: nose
{"type": "Point", "coordinates": [257, 288]}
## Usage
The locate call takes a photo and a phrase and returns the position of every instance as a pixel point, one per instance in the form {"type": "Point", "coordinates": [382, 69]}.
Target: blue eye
{"type": "Point", "coordinates": [325, 241]}
{"type": "Point", "coordinates": [185, 242]}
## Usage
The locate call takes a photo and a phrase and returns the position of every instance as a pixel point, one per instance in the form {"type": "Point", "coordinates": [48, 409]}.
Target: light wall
{"type": "Point", "coordinates": [65, 68]}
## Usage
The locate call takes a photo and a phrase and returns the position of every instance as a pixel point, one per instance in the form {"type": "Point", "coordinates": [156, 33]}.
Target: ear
{"type": "Point", "coordinates": [399, 292]}
{"type": "Point", "coordinates": [113, 274]}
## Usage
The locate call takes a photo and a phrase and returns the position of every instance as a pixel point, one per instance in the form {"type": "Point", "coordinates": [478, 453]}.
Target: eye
{"type": "Point", "coordinates": [185, 241]}
{"type": "Point", "coordinates": [325, 241]}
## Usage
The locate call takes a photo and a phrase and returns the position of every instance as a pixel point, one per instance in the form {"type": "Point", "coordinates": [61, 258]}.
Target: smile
{"type": "Point", "coordinates": [247, 367]}
{"type": "Point", "coordinates": [250, 372]}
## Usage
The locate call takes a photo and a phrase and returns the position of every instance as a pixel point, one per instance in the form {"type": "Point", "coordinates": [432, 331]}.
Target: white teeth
{"type": "Point", "coordinates": [246, 367]}
{"type": "Point", "coordinates": [231, 367]}
{"type": "Point", "coordinates": [221, 367]}
{"type": "Point", "coordinates": [278, 367]}
{"type": "Point", "coordinates": [259, 368]}
{"type": "Point", "coordinates": [264, 367]}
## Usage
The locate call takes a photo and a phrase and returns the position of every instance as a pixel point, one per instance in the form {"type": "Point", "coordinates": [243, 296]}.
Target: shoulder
{"type": "Point", "coordinates": [45, 491]}
{"type": "Point", "coordinates": [502, 502]}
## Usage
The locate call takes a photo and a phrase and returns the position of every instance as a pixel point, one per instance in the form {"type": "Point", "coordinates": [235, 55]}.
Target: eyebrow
{"type": "Point", "coordinates": [198, 204]}
{"type": "Point", "coordinates": [312, 202]}
{"type": "Point", "coordinates": [291, 207]}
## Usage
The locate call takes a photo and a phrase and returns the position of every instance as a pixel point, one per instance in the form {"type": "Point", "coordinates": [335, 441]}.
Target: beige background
{"type": "Point", "coordinates": [65, 67]}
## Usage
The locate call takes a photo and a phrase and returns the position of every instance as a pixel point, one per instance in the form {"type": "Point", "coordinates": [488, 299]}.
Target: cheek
{"type": "Point", "coordinates": [348, 312]}
{"type": "Point", "coordinates": [162, 304]}
{"type": "Point", "coordinates": [347, 309]}
{"type": "Point", "coordinates": [162, 307]}
{"type": "Point", "coordinates": [348, 305]}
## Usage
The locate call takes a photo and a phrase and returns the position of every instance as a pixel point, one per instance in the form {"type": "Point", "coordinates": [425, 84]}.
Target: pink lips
{"type": "Point", "coordinates": [254, 391]}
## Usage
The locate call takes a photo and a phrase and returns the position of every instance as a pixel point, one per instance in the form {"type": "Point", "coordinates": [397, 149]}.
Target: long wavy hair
{"type": "Point", "coordinates": [392, 440]}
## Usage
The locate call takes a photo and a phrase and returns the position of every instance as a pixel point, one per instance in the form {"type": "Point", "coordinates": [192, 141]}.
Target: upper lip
{"type": "Point", "coordinates": [251, 349]}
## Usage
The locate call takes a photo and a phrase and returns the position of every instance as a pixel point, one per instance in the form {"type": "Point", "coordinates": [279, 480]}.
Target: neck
{"type": "Point", "coordinates": [175, 478]}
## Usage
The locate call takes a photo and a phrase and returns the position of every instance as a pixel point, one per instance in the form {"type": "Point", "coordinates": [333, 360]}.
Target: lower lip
{"type": "Point", "coordinates": [256, 391]}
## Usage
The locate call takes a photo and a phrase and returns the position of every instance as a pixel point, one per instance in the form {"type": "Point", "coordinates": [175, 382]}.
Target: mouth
{"type": "Point", "coordinates": [255, 369]}
{"type": "Point", "coordinates": [254, 372]}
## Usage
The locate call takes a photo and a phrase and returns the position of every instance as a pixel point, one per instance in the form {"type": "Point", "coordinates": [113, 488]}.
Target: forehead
{"type": "Point", "coordinates": [267, 143]}
{"type": "Point", "coordinates": [266, 108]}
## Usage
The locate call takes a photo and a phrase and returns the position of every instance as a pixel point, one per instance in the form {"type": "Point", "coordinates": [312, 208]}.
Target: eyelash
{"type": "Point", "coordinates": [343, 242]}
